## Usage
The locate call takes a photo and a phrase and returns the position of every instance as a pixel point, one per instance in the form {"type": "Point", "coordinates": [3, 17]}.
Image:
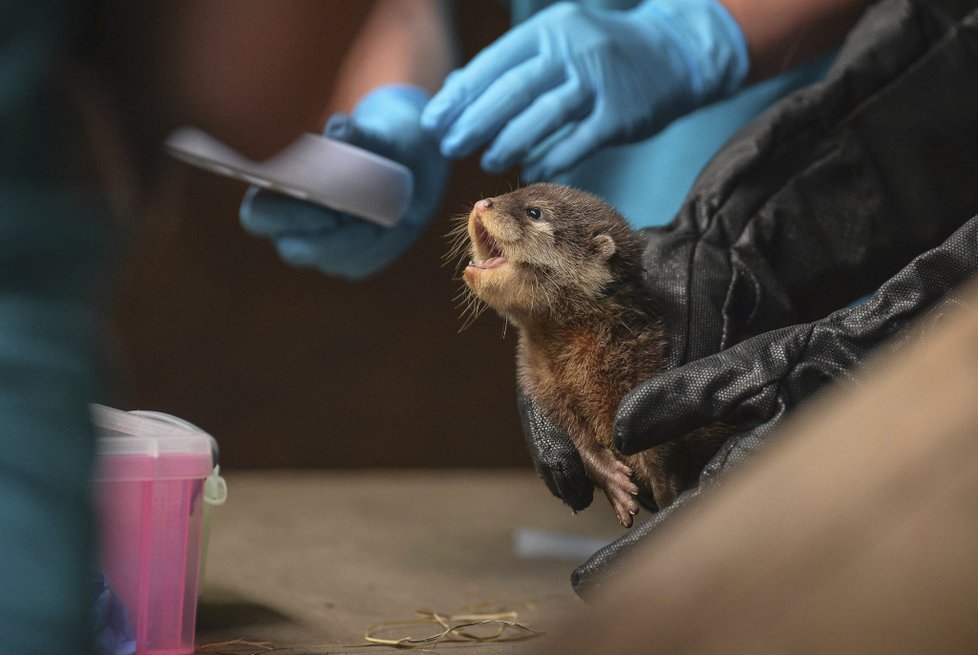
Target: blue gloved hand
{"type": "Point", "coordinates": [608, 76]}
{"type": "Point", "coordinates": [387, 122]}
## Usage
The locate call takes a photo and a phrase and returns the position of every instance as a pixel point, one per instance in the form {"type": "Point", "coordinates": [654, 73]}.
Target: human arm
{"type": "Point", "coordinates": [781, 35]}
{"type": "Point", "coordinates": [402, 42]}
{"type": "Point", "coordinates": [401, 54]}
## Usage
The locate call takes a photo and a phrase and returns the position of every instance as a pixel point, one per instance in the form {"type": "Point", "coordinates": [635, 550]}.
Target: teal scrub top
{"type": "Point", "coordinates": [52, 249]}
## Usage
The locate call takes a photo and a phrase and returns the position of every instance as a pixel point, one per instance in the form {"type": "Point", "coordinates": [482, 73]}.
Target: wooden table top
{"type": "Point", "coordinates": [312, 559]}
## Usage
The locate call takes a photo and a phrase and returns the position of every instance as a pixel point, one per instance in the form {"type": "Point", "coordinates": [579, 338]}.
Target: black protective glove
{"type": "Point", "coordinates": [817, 202]}
{"type": "Point", "coordinates": [755, 383]}
{"type": "Point", "coordinates": [555, 457]}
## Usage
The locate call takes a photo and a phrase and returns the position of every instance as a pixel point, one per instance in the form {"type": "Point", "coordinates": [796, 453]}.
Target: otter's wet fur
{"type": "Point", "coordinates": [565, 268]}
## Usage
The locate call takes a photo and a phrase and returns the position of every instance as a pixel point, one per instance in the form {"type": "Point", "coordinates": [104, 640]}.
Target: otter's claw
{"type": "Point", "coordinates": [621, 492]}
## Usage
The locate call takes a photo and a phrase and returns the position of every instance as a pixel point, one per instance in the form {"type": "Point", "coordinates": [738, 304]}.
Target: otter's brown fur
{"type": "Point", "coordinates": [564, 267]}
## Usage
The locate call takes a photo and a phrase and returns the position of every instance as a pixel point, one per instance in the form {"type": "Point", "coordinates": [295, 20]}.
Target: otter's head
{"type": "Point", "coordinates": [545, 250]}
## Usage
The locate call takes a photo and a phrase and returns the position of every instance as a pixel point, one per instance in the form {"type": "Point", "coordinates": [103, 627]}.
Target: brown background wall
{"type": "Point", "coordinates": [288, 367]}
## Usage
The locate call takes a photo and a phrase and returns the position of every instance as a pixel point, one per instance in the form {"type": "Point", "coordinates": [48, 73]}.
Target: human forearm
{"type": "Point", "coordinates": [402, 42]}
{"type": "Point", "coordinates": [782, 34]}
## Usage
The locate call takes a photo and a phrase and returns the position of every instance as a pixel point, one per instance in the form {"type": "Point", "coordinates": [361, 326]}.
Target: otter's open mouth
{"type": "Point", "coordinates": [487, 252]}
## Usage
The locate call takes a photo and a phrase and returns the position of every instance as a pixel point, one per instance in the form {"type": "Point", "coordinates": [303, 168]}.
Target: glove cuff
{"type": "Point", "coordinates": [340, 126]}
{"type": "Point", "coordinates": [410, 94]}
{"type": "Point", "coordinates": [708, 40]}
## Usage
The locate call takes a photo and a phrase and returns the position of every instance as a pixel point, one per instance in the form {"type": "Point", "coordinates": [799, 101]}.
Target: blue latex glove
{"type": "Point", "coordinates": [604, 76]}
{"type": "Point", "coordinates": [385, 122]}
{"type": "Point", "coordinates": [113, 632]}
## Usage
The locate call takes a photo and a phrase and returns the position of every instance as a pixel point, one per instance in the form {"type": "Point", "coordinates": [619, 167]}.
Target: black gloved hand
{"type": "Point", "coordinates": [833, 190]}
{"type": "Point", "coordinates": [819, 201]}
{"type": "Point", "coordinates": [755, 383]}
{"type": "Point", "coordinates": [556, 459]}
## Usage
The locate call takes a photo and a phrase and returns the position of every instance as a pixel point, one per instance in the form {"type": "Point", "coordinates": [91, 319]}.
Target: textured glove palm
{"type": "Point", "coordinates": [754, 383]}
{"type": "Point", "coordinates": [610, 76]}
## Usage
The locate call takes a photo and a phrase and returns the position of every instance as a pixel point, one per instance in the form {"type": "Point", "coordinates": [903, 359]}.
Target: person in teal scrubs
{"type": "Point", "coordinates": [53, 253]}
{"type": "Point", "coordinates": [644, 165]}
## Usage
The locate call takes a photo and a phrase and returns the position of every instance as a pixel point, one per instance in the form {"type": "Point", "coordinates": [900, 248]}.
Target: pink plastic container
{"type": "Point", "coordinates": [149, 489]}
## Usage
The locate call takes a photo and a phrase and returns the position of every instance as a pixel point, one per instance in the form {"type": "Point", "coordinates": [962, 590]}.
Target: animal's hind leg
{"type": "Point", "coordinates": [615, 478]}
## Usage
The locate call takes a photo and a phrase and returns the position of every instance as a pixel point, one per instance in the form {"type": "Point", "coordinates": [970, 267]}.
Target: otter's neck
{"type": "Point", "coordinates": [623, 310]}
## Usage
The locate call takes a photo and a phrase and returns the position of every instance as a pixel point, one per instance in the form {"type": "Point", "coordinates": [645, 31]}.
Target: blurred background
{"type": "Point", "coordinates": [291, 368]}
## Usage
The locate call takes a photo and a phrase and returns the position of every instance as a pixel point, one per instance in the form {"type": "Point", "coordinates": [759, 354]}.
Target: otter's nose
{"type": "Point", "coordinates": [484, 204]}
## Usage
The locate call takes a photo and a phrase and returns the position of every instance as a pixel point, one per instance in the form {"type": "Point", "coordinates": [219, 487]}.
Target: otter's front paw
{"type": "Point", "coordinates": [621, 493]}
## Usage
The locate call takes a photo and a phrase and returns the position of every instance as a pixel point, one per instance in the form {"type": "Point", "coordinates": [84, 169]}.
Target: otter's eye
{"type": "Point", "coordinates": [534, 213]}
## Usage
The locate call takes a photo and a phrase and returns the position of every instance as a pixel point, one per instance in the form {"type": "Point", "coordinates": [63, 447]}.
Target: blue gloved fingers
{"type": "Point", "coordinates": [318, 249]}
{"type": "Point", "coordinates": [513, 92]}
{"type": "Point", "coordinates": [298, 251]}
{"type": "Point", "coordinates": [461, 86]}
{"type": "Point", "coordinates": [385, 122]}
{"type": "Point", "coordinates": [445, 106]}
{"type": "Point", "coordinates": [363, 249]}
{"type": "Point", "coordinates": [341, 127]}
{"type": "Point", "coordinates": [377, 254]}
{"type": "Point", "coordinates": [267, 214]}
{"type": "Point", "coordinates": [346, 128]}
{"type": "Point", "coordinates": [648, 65]}
{"type": "Point", "coordinates": [585, 138]}
{"type": "Point", "coordinates": [308, 248]}
{"type": "Point", "coordinates": [550, 112]}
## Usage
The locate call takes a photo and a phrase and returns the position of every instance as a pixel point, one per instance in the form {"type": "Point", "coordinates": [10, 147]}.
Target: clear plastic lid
{"type": "Point", "coordinates": [150, 445]}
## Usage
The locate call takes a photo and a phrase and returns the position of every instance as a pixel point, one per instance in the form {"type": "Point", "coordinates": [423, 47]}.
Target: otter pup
{"type": "Point", "coordinates": [565, 268]}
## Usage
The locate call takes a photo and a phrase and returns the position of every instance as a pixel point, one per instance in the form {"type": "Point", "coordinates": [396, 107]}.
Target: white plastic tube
{"type": "Point", "coordinates": [533, 543]}
{"type": "Point", "coordinates": [314, 168]}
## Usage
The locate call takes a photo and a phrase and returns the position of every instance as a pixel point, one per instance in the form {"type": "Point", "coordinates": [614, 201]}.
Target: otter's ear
{"type": "Point", "coordinates": [604, 246]}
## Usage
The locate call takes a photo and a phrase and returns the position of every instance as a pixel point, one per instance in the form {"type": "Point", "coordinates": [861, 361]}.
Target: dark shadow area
{"type": "Point", "coordinates": [226, 614]}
